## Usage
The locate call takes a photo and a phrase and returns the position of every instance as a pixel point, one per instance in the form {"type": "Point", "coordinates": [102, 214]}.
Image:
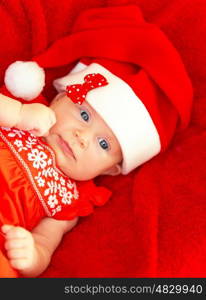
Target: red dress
{"type": "Point", "coordinates": [32, 187]}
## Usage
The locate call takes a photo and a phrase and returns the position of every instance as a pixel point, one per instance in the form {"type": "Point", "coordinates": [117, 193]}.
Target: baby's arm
{"type": "Point", "coordinates": [31, 252]}
{"type": "Point", "coordinates": [35, 117]}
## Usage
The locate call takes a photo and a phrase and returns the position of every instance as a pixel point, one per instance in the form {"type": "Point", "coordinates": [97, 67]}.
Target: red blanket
{"type": "Point", "coordinates": [154, 225]}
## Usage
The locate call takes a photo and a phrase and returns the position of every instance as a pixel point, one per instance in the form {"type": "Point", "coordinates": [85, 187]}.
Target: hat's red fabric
{"type": "Point", "coordinates": [154, 225]}
{"type": "Point", "coordinates": [136, 51]}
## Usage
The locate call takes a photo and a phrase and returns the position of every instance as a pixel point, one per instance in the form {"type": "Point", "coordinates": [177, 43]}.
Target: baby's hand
{"type": "Point", "coordinates": [36, 118]}
{"type": "Point", "coordinates": [20, 247]}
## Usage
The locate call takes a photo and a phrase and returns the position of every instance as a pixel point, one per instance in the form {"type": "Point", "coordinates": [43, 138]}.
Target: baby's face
{"type": "Point", "coordinates": [84, 145]}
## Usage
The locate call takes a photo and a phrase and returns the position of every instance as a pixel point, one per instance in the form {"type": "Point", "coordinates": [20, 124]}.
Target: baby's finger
{"type": "Point", "coordinates": [19, 264]}
{"type": "Point", "coordinates": [16, 233]}
{"type": "Point", "coordinates": [15, 244]}
{"type": "Point", "coordinates": [6, 228]}
{"type": "Point", "coordinates": [16, 253]}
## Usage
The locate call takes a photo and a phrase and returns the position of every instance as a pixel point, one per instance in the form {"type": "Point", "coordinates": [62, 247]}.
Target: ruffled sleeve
{"type": "Point", "coordinates": [90, 195]}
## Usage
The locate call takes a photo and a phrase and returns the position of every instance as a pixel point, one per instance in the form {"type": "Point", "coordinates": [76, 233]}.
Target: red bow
{"type": "Point", "coordinates": [77, 92]}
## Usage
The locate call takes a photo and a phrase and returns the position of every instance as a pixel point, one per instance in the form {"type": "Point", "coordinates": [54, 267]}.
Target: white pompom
{"type": "Point", "coordinates": [25, 79]}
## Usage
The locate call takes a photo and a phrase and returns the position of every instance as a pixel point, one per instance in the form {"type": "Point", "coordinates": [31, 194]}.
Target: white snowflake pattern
{"type": "Point", "coordinates": [48, 172]}
{"type": "Point", "coordinates": [52, 201]}
{"type": "Point", "coordinates": [70, 185]}
{"type": "Point", "coordinates": [53, 187]}
{"type": "Point", "coordinates": [76, 192]}
{"type": "Point", "coordinates": [62, 180]}
{"type": "Point", "coordinates": [66, 196]}
{"type": "Point", "coordinates": [49, 162]}
{"type": "Point", "coordinates": [16, 132]}
{"type": "Point", "coordinates": [38, 158]}
{"type": "Point", "coordinates": [20, 145]}
{"type": "Point", "coordinates": [56, 175]}
{"type": "Point", "coordinates": [56, 210]}
{"type": "Point", "coordinates": [40, 147]}
{"type": "Point", "coordinates": [30, 142]}
{"type": "Point", "coordinates": [40, 180]}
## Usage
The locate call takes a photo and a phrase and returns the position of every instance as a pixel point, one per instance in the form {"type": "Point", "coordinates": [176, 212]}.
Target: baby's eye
{"type": "Point", "coordinates": [103, 144]}
{"type": "Point", "coordinates": [84, 115]}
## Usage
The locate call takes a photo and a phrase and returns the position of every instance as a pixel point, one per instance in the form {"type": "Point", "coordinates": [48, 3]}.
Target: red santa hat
{"type": "Point", "coordinates": [148, 96]}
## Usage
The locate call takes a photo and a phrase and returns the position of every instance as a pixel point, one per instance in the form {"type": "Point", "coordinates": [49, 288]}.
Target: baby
{"type": "Point", "coordinates": [109, 117]}
{"type": "Point", "coordinates": [85, 147]}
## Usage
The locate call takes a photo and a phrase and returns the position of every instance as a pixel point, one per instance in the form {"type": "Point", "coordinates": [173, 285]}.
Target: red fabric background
{"type": "Point", "coordinates": [155, 224]}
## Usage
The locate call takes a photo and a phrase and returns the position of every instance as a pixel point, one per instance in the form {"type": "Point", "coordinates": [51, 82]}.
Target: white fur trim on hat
{"type": "Point", "coordinates": [123, 112]}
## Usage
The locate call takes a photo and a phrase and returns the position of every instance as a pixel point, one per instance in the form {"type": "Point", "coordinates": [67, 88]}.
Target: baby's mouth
{"type": "Point", "coordinates": [66, 147]}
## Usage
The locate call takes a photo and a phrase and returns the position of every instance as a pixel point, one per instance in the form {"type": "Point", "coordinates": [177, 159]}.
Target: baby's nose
{"type": "Point", "coordinates": [82, 139]}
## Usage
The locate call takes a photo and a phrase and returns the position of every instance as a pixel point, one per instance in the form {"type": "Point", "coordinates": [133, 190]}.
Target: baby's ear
{"type": "Point", "coordinates": [113, 171]}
